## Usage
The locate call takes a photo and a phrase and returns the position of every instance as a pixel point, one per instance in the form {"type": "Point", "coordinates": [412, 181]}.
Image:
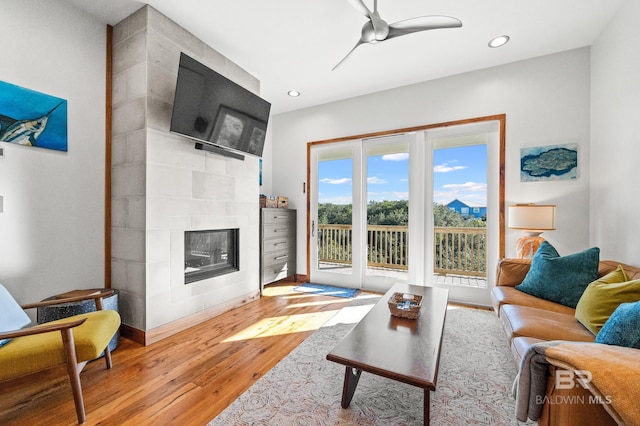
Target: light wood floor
{"type": "Point", "coordinates": [186, 379]}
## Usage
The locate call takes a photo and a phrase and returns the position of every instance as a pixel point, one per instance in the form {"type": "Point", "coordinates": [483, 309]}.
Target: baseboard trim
{"type": "Point", "coordinates": [302, 278]}
{"type": "Point", "coordinates": [154, 335]}
{"type": "Point", "coordinates": [132, 333]}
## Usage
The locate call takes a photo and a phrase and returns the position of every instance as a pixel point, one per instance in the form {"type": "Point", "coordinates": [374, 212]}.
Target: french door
{"type": "Point", "coordinates": [460, 253]}
{"type": "Point", "coordinates": [335, 229]}
{"type": "Point", "coordinates": [372, 203]}
{"type": "Point", "coordinates": [360, 212]}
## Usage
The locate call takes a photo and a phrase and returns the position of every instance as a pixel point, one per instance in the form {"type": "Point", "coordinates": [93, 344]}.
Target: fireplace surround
{"type": "Point", "coordinates": [162, 187]}
{"type": "Point", "coordinates": [210, 253]}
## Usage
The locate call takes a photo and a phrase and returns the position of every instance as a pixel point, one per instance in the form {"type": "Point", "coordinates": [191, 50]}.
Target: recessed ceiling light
{"type": "Point", "coordinates": [293, 93]}
{"type": "Point", "coordinates": [499, 41]}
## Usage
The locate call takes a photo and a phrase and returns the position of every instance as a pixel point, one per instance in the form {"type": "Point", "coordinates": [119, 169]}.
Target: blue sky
{"type": "Point", "coordinates": [458, 173]}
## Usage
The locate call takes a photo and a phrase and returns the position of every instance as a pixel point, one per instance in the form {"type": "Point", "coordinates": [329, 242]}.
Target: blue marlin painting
{"type": "Point", "coordinates": [32, 118]}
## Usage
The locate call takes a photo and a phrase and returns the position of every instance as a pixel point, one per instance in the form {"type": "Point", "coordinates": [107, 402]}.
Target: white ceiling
{"type": "Point", "coordinates": [294, 44]}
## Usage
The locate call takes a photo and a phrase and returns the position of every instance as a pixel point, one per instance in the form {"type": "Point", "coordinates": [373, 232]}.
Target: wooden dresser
{"type": "Point", "coordinates": [277, 245]}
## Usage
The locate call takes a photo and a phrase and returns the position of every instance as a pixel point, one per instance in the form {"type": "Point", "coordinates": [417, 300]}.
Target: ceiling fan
{"type": "Point", "coordinates": [377, 30]}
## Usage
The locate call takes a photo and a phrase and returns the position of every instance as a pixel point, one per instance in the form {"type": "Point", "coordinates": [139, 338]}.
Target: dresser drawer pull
{"type": "Point", "coordinates": [281, 257]}
{"type": "Point", "coordinates": [280, 243]}
{"type": "Point", "coordinates": [280, 230]}
{"type": "Point", "coordinates": [281, 217]}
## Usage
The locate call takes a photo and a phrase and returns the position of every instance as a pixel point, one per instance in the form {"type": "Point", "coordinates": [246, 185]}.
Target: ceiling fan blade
{"type": "Point", "coordinates": [360, 42]}
{"type": "Point", "coordinates": [422, 23]}
{"type": "Point", "coordinates": [380, 27]}
{"type": "Point", "coordinates": [361, 7]}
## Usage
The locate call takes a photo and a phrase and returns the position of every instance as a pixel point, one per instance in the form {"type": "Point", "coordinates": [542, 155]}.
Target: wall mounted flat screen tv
{"type": "Point", "coordinates": [214, 110]}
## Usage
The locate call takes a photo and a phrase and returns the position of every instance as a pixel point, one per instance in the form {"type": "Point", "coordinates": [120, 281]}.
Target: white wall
{"type": "Point", "coordinates": [52, 226]}
{"type": "Point", "coordinates": [615, 134]}
{"type": "Point", "coordinates": [546, 101]}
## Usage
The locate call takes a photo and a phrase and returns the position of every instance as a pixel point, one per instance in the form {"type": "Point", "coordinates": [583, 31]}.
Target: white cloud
{"type": "Point", "coordinates": [340, 181]}
{"type": "Point", "coordinates": [443, 197]}
{"type": "Point", "coordinates": [376, 180]}
{"type": "Point", "coordinates": [469, 192]}
{"type": "Point", "coordinates": [401, 156]}
{"type": "Point", "coordinates": [446, 168]}
{"type": "Point", "coordinates": [467, 186]}
{"type": "Point", "coordinates": [401, 195]}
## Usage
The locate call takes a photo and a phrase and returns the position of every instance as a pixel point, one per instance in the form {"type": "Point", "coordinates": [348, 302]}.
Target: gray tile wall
{"type": "Point", "coordinates": [162, 186]}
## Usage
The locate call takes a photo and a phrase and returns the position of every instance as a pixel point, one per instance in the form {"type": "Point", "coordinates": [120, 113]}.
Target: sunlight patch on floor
{"type": "Point", "coordinates": [278, 290]}
{"type": "Point", "coordinates": [453, 305]}
{"type": "Point", "coordinates": [319, 303]}
{"type": "Point", "coordinates": [363, 296]}
{"type": "Point", "coordinates": [349, 315]}
{"type": "Point", "coordinates": [296, 295]}
{"type": "Point", "coordinates": [275, 326]}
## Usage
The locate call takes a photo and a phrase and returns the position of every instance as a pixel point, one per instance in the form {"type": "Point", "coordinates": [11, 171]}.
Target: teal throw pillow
{"type": "Point", "coordinates": [560, 279]}
{"type": "Point", "coordinates": [623, 327]}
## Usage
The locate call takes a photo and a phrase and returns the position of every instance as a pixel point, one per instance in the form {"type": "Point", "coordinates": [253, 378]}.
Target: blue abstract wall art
{"type": "Point", "coordinates": [32, 118]}
{"type": "Point", "coordinates": [551, 162]}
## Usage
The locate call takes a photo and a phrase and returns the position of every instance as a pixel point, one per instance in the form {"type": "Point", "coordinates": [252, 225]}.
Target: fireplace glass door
{"type": "Point", "coordinates": [210, 253]}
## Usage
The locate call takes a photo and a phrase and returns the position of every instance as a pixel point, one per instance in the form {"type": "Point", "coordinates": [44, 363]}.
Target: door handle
{"type": "Point", "coordinates": [313, 228]}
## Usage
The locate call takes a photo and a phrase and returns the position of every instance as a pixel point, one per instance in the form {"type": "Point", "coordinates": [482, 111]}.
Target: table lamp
{"type": "Point", "coordinates": [534, 219]}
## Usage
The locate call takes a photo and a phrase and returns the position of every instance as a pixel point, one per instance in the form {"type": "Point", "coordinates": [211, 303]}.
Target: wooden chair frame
{"type": "Point", "coordinates": [73, 366]}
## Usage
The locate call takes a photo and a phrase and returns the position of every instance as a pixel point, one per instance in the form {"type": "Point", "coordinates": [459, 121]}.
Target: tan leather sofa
{"type": "Point", "coordinates": [528, 319]}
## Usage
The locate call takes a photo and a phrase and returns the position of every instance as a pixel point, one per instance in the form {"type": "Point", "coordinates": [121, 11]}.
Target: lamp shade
{"type": "Point", "coordinates": [532, 217]}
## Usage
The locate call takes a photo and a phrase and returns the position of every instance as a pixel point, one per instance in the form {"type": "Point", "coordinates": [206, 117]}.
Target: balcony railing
{"type": "Point", "coordinates": [460, 251]}
{"type": "Point", "coordinates": [334, 243]}
{"type": "Point", "coordinates": [456, 250]}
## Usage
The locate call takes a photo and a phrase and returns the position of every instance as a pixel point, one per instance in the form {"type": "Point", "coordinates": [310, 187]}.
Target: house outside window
{"type": "Point", "coordinates": [476, 209]}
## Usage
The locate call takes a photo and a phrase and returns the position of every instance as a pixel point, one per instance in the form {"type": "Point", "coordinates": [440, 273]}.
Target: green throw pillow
{"type": "Point", "coordinates": [560, 279]}
{"type": "Point", "coordinates": [584, 308]}
{"type": "Point", "coordinates": [600, 299]}
{"type": "Point", "coordinates": [623, 327]}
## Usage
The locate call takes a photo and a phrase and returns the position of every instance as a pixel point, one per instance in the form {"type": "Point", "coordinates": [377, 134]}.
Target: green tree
{"type": "Point", "coordinates": [452, 249]}
{"type": "Point", "coordinates": [334, 214]}
{"type": "Point", "coordinates": [388, 213]}
{"type": "Point", "coordinates": [393, 213]}
{"type": "Point", "coordinates": [443, 216]}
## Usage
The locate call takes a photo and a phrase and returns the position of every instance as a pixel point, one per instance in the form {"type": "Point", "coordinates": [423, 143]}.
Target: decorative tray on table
{"type": "Point", "coordinates": [405, 305]}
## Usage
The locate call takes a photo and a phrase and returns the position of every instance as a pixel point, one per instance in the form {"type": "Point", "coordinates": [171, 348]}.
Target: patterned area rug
{"type": "Point", "coordinates": [473, 388]}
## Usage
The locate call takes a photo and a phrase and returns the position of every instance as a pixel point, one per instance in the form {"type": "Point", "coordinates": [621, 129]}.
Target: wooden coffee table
{"type": "Point", "coordinates": [397, 348]}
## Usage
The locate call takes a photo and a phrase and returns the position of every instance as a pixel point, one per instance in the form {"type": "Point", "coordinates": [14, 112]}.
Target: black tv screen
{"type": "Point", "coordinates": [212, 109]}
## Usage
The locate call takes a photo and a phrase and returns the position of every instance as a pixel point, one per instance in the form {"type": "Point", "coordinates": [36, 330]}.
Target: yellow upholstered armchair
{"type": "Point", "coordinates": [72, 341]}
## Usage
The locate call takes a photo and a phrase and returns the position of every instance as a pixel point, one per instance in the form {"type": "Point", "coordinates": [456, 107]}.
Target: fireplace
{"type": "Point", "coordinates": [210, 253]}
